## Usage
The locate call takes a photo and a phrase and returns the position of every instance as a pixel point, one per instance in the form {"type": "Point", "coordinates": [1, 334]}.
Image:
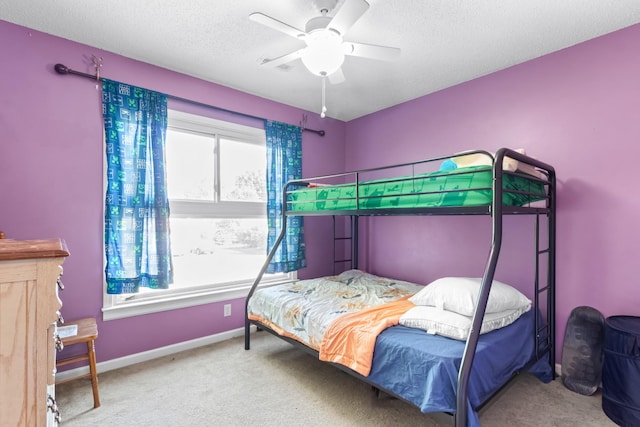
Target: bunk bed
{"type": "Point", "coordinates": [433, 372]}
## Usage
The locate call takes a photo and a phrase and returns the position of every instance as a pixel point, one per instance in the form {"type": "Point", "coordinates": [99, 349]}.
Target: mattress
{"type": "Point", "coordinates": [303, 310]}
{"type": "Point", "coordinates": [423, 368]}
{"type": "Point", "coordinates": [469, 186]}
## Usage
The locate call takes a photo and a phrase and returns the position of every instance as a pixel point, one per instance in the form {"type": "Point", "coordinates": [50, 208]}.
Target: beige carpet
{"type": "Point", "coordinates": [275, 384]}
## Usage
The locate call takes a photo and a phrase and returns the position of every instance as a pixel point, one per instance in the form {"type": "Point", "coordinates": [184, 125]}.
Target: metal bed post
{"type": "Point", "coordinates": [461, 414]}
{"type": "Point", "coordinates": [551, 267]}
{"type": "Point", "coordinates": [542, 341]}
{"type": "Point", "coordinates": [354, 241]}
{"type": "Point", "coordinates": [464, 374]}
{"type": "Point", "coordinates": [272, 252]}
{"type": "Point", "coordinates": [335, 240]}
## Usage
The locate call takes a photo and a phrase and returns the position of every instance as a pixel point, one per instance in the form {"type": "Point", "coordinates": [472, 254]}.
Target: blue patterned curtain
{"type": "Point", "coordinates": [284, 163]}
{"type": "Point", "coordinates": [136, 223]}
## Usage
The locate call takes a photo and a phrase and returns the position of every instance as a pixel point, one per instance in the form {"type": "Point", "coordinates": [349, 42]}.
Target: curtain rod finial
{"type": "Point", "coordinates": [61, 69]}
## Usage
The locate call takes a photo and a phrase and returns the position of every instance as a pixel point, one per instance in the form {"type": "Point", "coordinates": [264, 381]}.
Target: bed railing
{"type": "Point", "coordinates": [415, 188]}
{"type": "Point", "coordinates": [496, 208]}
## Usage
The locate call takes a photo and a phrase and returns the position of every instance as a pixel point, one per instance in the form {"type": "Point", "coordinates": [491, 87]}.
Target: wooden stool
{"type": "Point", "coordinates": [87, 333]}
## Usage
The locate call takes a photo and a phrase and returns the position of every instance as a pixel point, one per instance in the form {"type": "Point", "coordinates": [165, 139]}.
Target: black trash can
{"type": "Point", "coordinates": [621, 370]}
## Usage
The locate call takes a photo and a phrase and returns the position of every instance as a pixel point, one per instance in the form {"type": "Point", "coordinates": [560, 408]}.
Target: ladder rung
{"type": "Point", "coordinates": [542, 331]}
{"type": "Point", "coordinates": [541, 290]}
{"type": "Point", "coordinates": [341, 260]}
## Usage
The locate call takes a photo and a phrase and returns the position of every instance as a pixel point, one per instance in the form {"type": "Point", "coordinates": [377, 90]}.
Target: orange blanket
{"type": "Point", "coordinates": [350, 339]}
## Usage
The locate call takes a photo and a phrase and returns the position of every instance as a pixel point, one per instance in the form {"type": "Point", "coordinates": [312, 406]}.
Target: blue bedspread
{"type": "Point", "coordinates": [423, 368]}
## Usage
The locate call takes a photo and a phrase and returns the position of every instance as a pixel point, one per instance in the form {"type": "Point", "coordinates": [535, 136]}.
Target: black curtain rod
{"type": "Point", "coordinates": [63, 69]}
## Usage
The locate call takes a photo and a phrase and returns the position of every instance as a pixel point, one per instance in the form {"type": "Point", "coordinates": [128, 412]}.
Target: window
{"type": "Point", "coordinates": [217, 193]}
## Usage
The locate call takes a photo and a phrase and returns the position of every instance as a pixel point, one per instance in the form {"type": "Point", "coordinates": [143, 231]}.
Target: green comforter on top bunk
{"type": "Point", "coordinates": [435, 189]}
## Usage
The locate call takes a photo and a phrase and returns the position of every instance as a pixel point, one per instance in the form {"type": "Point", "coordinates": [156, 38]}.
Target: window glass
{"type": "Point", "coordinates": [216, 251]}
{"type": "Point", "coordinates": [242, 172]}
{"type": "Point", "coordinates": [190, 165]}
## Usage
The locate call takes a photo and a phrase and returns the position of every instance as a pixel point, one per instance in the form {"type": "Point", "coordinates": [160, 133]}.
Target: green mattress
{"type": "Point", "coordinates": [470, 186]}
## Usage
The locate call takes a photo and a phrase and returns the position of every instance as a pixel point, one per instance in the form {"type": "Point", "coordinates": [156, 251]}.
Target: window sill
{"type": "Point", "coordinates": [172, 302]}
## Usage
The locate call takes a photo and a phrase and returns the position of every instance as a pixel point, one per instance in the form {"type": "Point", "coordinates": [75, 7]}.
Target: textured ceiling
{"type": "Point", "coordinates": [443, 42]}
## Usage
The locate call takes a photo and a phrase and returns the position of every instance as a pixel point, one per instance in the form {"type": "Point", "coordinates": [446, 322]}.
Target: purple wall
{"type": "Point", "coordinates": [51, 173]}
{"type": "Point", "coordinates": [578, 110]}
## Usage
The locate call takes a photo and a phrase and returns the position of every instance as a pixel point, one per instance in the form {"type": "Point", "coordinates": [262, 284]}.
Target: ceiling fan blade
{"type": "Point", "coordinates": [372, 51]}
{"type": "Point", "coordinates": [275, 62]}
{"type": "Point", "coordinates": [277, 25]}
{"type": "Point", "coordinates": [347, 15]}
{"type": "Point", "coordinates": [337, 77]}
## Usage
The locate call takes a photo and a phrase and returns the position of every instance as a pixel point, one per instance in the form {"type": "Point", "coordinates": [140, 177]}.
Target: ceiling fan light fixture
{"type": "Point", "coordinates": [324, 53]}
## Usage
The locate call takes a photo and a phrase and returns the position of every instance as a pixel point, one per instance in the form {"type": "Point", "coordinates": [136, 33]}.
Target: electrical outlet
{"type": "Point", "coordinates": [227, 310]}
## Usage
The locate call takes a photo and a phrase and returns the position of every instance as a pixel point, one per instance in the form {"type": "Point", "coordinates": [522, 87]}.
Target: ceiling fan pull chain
{"type": "Point", "coordinates": [324, 103]}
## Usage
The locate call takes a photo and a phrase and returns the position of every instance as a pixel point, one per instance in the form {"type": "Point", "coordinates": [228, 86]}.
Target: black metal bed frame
{"type": "Point", "coordinates": [544, 333]}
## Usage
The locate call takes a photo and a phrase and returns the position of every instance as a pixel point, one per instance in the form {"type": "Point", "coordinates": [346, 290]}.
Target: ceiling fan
{"type": "Point", "coordinates": [326, 48]}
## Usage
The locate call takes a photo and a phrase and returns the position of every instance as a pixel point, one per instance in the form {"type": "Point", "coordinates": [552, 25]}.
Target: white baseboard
{"type": "Point", "coordinates": [132, 359]}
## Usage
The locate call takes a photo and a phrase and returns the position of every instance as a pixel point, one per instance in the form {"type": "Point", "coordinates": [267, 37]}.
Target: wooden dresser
{"type": "Point", "coordinates": [29, 308]}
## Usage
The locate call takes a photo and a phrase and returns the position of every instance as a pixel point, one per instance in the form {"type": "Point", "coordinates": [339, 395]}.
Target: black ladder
{"type": "Point", "coordinates": [345, 246]}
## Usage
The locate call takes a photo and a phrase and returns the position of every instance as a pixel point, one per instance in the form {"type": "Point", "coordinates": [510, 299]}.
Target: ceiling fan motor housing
{"type": "Point", "coordinates": [317, 23]}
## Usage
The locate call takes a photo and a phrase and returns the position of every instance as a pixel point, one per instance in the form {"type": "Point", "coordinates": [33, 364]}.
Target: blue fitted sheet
{"type": "Point", "coordinates": [423, 368]}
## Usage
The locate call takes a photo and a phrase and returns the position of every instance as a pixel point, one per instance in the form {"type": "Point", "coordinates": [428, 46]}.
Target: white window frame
{"type": "Point", "coordinates": [128, 305]}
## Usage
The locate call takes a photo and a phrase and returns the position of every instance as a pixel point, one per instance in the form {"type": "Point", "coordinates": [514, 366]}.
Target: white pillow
{"type": "Point", "coordinates": [454, 325]}
{"type": "Point", "coordinates": [508, 164]}
{"type": "Point", "coordinates": [460, 294]}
